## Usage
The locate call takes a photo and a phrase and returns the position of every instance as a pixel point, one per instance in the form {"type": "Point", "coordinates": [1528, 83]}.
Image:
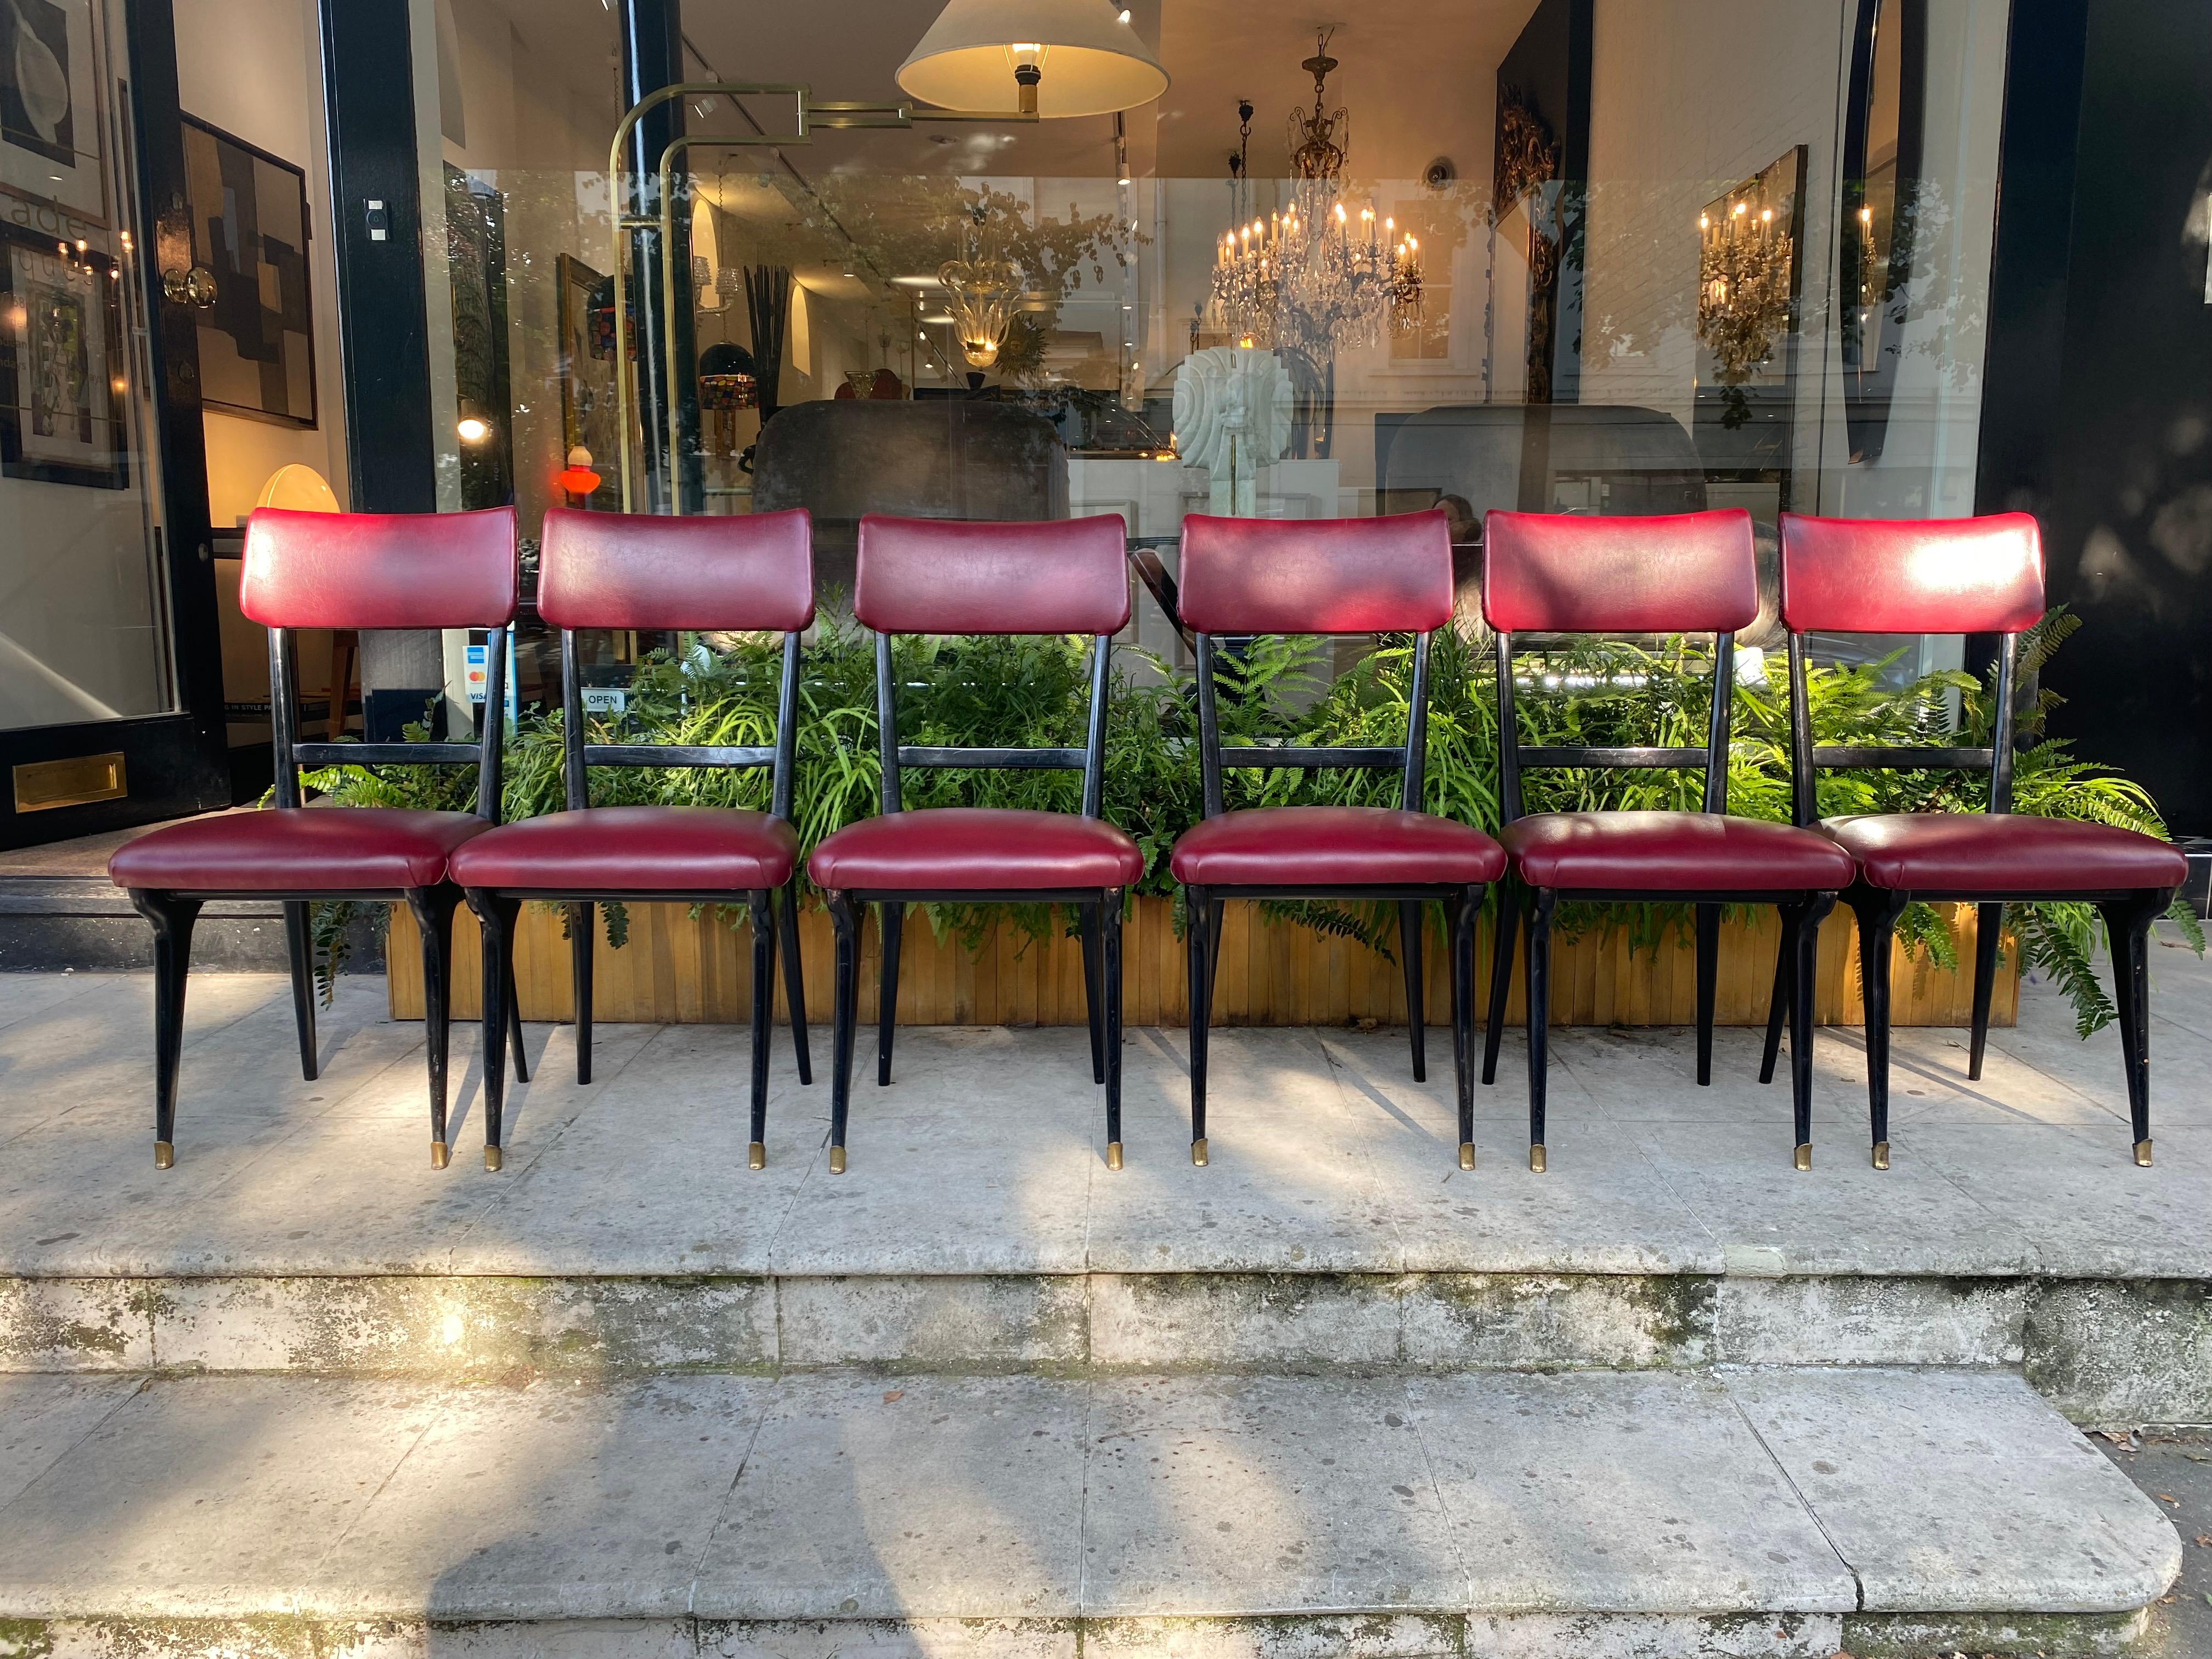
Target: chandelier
{"type": "Point", "coordinates": [1743, 287]}
{"type": "Point", "coordinates": [1311, 277]}
{"type": "Point", "coordinates": [985, 290]}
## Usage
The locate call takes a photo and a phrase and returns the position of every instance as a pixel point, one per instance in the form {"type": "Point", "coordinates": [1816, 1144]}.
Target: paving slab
{"type": "Point", "coordinates": [44, 1417]}
{"type": "Point", "coordinates": [1620, 1494]}
{"type": "Point", "coordinates": [1960, 1492]}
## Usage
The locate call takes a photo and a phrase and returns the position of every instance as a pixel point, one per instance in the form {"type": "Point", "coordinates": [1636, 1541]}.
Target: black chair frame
{"type": "Point", "coordinates": [1203, 905]}
{"type": "Point", "coordinates": [2128, 912]}
{"type": "Point", "coordinates": [1802, 911]}
{"type": "Point", "coordinates": [173, 914]}
{"type": "Point", "coordinates": [1099, 909]}
{"type": "Point", "coordinates": [497, 909]}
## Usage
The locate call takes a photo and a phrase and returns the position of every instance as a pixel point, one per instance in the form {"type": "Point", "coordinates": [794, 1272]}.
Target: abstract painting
{"type": "Point", "coordinates": [249, 215]}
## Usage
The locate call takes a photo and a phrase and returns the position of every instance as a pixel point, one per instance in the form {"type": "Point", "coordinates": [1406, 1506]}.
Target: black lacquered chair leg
{"type": "Point", "coordinates": [1708, 963]}
{"type": "Point", "coordinates": [1464, 907]}
{"type": "Point", "coordinates": [580, 920]}
{"type": "Point", "coordinates": [173, 918]}
{"type": "Point", "coordinates": [764, 1025]}
{"type": "Point", "coordinates": [515, 1018]}
{"type": "Point", "coordinates": [1110, 971]}
{"type": "Point", "coordinates": [891, 921]}
{"type": "Point", "coordinates": [1506, 929]}
{"type": "Point", "coordinates": [1778, 1000]}
{"type": "Point", "coordinates": [1409, 952]}
{"type": "Point", "coordinates": [1877, 911]}
{"type": "Point", "coordinates": [1988, 928]}
{"type": "Point", "coordinates": [1094, 1013]}
{"type": "Point", "coordinates": [844, 1018]}
{"type": "Point", "coordinates": [1197, 920]}
{"type": "Point", "coordinates": [1540, 1019]}
{"type": "Point", "coordinates": [794, 981]}
{"type": "Point", "coordinates": [495, 916]}
{"type": "Point", "coordinates": [1803, 988]}
{"type": "Point", "coordinates": [2127, 930]}
{"type": "Point", "coordinates": [300, 950]}
{"type": "Point", "coordinates": [433, 909]}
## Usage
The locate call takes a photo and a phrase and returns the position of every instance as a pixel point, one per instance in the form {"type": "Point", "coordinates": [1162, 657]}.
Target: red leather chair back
{"type": "Point", "coordinates": [965, 576]}
{"type": "Point", "coordinates": [1685, 572]}
{"type": "Point", "coordinates": [1317, 575]}
{"type": "Point", "coordinates": [641, 570]}
{"type": "Point", "coordinates": [1911, 575]}
{"type": "Point", "coordinates": [379, 569]}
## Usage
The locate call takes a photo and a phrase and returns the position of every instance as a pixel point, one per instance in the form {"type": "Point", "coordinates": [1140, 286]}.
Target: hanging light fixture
{"type": "Point", "coordinates": [985, 290]}
{"type": "Point", "coordinates": [1058, 57]}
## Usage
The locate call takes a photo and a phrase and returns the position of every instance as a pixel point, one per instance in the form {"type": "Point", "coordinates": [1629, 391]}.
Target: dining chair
{"type": "Point", "coordinates": [324, 570]}
{"type": "Point", "coordinates": [628, 572]}
{"type": "Point", "coordinates": [1958, 576]}
{"type": "Point", "coordinates": [1692, 573]}
{"type": "Point", "coordinates": [951, 577]}
{"type": "Point", "coordinates": [1243, 577]}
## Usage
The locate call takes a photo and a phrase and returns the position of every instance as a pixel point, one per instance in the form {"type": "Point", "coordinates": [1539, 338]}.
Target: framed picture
{"type": "Point", "coordinates": [249, 217]}
{"type": "Point", "coordinates": [62, 369]}
{"type": "Point", "coordinates": [49, 127]}
{"type": "Point", "coordinates": [588, 378]}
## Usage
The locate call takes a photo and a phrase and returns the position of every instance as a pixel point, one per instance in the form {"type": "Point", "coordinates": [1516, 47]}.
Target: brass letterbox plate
{"type": "Point", "coordinates": [70, 782]}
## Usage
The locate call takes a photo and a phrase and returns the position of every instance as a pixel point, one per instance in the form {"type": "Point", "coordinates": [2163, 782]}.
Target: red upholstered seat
{"type": "Point", "coordinates": [1672, 852]}
{"type": "Point", "coordinates": [296, 849]}
{"type": "Point", "coordinates": [645, 849]}
{"type": "Point", "coordinates": [976, 847]}
{"type": "Point", "coordinates": [1333, 846]}
{"type": "Point", "coordinates": [1968, 853]}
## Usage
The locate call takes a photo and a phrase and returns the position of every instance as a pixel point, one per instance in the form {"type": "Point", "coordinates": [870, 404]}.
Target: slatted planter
{"type": "Point", "coordinates": [676, 968]}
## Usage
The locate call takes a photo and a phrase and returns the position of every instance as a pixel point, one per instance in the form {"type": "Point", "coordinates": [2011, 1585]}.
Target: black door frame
{"type": "Point", "coordinates": [174, 763]}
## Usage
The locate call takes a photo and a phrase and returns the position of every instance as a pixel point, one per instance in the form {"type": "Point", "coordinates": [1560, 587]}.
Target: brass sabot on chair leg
{"type": "Point", "coordinates": [1880, 1155]}
{"type": "Point", "coordinates": [440, 1155]}
{"type": "Point", "coordinates": [165, 1155]}
{"type": "Point", "coordinates": [1536, 1158]}
{"type": "Point", "coordinates": [755, 1156]}
{"type": "Point", "coordinates": [1804, 1156]}
{"type": "Point", "coordinates": [836, 1160]}
{"type": "Point", "coordinates": [2142, 1154]}
{"type": "Point", "coordinates": [1113, 1154]}
{"type": "Point", "coordinates": [494, 1157]}
{"type": "Point", "coordinates": [1467, 1154]}
{"type": "Point", "coordinates": [1198, 1152]}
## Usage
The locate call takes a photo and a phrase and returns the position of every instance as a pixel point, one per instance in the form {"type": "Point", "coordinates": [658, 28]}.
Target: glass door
{"type": "Point", "coordinates": [106, 613]}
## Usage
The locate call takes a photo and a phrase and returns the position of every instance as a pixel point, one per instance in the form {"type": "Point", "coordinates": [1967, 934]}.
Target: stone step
{"type": "Point", "coordinates": [80, 923]}
{"type": "Point", "coordinates": [1741, 1513]}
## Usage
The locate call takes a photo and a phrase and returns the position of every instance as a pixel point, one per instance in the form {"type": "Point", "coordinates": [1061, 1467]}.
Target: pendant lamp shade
{"type": "Point", "coordinates": [1078, 55]}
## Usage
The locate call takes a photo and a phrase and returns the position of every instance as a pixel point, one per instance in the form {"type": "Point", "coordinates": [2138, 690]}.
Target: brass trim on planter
{"type": "Point", "coordinates": [73, 781]}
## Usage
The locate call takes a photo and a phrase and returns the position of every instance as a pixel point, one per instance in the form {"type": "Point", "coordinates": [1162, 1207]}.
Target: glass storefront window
{"type": "Point", "coordinates": [1575, 255]}
{"type": "Point", "coordinates": [84, 607]}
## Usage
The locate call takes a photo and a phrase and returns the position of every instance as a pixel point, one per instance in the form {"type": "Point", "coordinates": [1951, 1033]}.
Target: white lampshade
{"type": "Point", "coordinates": [1092, 63]}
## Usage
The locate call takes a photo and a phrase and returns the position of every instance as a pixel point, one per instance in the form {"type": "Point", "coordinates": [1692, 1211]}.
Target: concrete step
{"type": "Point", "coordinates": [1741, 1513]}
{"type": "Point", "coordinates": [80, 923]}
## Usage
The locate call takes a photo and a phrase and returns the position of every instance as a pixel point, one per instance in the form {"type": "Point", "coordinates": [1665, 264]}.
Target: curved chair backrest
{"type": "Point", "coordinates": [370, 570]}
{"type": "Point", "coordinates": [743, 573]}
{"type": "Point", "coordinates": [1908, 576]}
{"type": "Point", "coordinates": [1687, 572]}
{"type": "Point", "coordinates": [962, 576]}
{"type": "Point", "coordinates": [379, 569]}
{"type": "Point", "coordinates": [1911, 575]}
{"type": "Point", "coordinates": [1556, 572]}
{"type": "Point", "coordinates": [750, 573]}
{"type": "Point", "coordinates": [1391, 574]}
{"type": "Point", "coordinates": [1317, 575]}
{"type": "Point", "coordinates": [965, 576]}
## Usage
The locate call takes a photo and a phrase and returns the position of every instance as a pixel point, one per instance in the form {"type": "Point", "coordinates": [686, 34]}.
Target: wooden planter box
{"type": "Point", "coordinates": [677, 968]}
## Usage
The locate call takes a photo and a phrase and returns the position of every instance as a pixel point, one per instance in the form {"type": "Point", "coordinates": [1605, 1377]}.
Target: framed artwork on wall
{"type": "Point", "coordinates": [250, 229]}
{"type": "Point", "coordinates": [49, 127]}
{"type": "Point", "coordinates": [61, 364]}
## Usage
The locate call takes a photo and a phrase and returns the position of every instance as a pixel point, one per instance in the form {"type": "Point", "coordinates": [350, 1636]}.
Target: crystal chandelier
{"type": "Point", "coordinates": [1312, 278]}
{"type": "Point", "coordinates": [1743, 287]}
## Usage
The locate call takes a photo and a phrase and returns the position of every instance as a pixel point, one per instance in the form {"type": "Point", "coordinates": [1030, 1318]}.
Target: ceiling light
{"type": "Point", "coordinates": [1071, 57]}
{"type": "Point", "coordinates": [472, 430]}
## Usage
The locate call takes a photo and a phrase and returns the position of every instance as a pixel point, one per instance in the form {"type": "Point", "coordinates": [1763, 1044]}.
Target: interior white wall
{"type": "Point", "coordinates": [254, 68]}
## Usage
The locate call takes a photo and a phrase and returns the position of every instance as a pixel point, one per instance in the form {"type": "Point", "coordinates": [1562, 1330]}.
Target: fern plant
{"type": "Point", "coordinates": [1021, 692]}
